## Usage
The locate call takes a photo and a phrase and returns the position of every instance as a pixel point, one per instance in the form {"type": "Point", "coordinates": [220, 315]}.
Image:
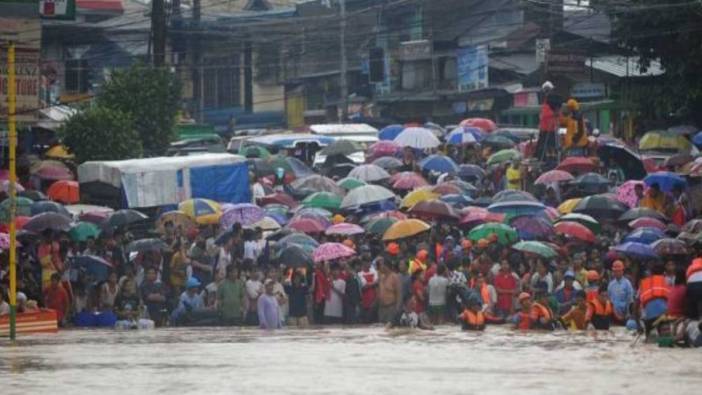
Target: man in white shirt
{"type": "Point", "coordinates": [334, 306]}
{"type": "Point", "coordinates": [254, 289]}
{"type": "Point", "coordinates": [438, 287]}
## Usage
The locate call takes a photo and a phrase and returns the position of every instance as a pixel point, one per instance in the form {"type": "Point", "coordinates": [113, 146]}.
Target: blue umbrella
{"type": "Point", "coordinates": [457, 200]}
{"type": "Point", "coordinates": [471, 172]}
{"type": "Point", "coordinates": [280, 218]}
{"type": "Point", "coordinates": [636, 250]}
{"type": "Point", "coordinates": [644, 235]}
{"type": "Point", "coordinates": [666, 180]}
{"type": "Point", "coordinates": [516, 208]}
{"type": "Point", "coordinates": [439, 163]}
{"type": "Point", "coordinates": [460, 136]}
{"type": "Point", "coordinates": [390, 132]}
{"type": "Point", "coordinates": [697, 139]}
{"type": "Point", "coordinates": [95, 266]}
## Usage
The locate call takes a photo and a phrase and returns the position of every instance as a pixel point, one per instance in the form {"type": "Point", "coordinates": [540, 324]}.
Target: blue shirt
{"type": "Point", "coordinates": [269, 312]}
{"type": "Point", "coordinates": [621, 293]}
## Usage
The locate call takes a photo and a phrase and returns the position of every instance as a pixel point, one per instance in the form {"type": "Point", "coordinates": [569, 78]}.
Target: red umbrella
{"type": "Point", "coordinates": [277, 198]}
{"type": "Point", "coordinates": [486, 125]}
{"type": "Point", "coordinates": [647, 222]}
{"type": "Point", "coordinates": [554, 176]}
{"type": "Point", "coordinates": [407, 180]}
{"type": "Point", "coordinates": [447, 189]}
{"type": "Point", "coordinates": [575, 230]}
{"type": "Point", "coordinates": [576, 164]}
{"type": "Point", "coordinates": [306, 225]}
{"type": "Point", "coordinates": [383, 148]}
{"type": "Point", "coordinates": [434, 209]}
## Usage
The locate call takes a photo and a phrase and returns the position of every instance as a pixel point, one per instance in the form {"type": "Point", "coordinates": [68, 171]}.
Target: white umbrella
{"type": "Point", "coordinates": [369, 173]}
{"type": "Point", "coordinates": [420, 138]}
{"type": "Point", "coordinates": [366, 194]}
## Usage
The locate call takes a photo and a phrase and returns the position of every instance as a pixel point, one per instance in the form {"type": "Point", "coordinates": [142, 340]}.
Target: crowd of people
{"type": "Point", "coordinates": [445, 274]}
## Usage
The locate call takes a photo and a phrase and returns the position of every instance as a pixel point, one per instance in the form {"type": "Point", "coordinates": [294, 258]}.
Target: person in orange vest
{"type": "Point", "coordinates": [600, 311]}
{"type": "Point", "coordinates": [472, 317]}
{"type": "Point", "coordinates": [532, 315]}
{"type": "Point", "coordinates": [694, 288]}
{"type": "Point", "coordinates": [419, 263]}
{"type": "Point", "coordinates": [593, 285]}
{"type": "Point", "coordinates": [653, 297]}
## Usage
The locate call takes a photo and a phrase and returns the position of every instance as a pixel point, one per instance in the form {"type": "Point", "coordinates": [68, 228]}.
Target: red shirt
{"type": "Point", "coordinates": [368, 294]}
{"type": "Point", "coordinates": [676, 301]}
{"type": "Point", "coordinates": [505, 281]}
{"type": "Point", "coordinates": [321, 286]}
{"type": "Point", "coordinates": [418, 293]}
{"type": "Point", "coordinates": [56, 298]}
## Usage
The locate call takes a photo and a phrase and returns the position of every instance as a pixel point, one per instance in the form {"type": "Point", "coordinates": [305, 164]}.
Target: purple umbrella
{"type": "Point", "coordinates": [244, 214]}
{"type": "Point", "coordinates": [532, 228]}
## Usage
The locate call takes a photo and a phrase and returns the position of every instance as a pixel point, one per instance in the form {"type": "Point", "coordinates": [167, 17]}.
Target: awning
{"type": "Point", "coordinates": [625, 66]}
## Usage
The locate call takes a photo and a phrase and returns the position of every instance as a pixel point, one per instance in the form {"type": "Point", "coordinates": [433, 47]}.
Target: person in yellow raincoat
{"type": "Point", "coordinates": [576, 133]}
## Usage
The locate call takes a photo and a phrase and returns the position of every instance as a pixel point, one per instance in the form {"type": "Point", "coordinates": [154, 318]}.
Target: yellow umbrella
{"type": "Point", "coordinates": [203, 211]}
{"type": "Point", "coordinates": [418, 195]}
{"type": "Point", "coordinates": [405, 228]}
{"type": "Point", "coordinates": [568, 206]}
{"type": "Point", "coordinates": [178, 218]}
{"type": "Point", "coordinates": [659, 140]}
{"type": "Point", "coordinates": [58, 152]}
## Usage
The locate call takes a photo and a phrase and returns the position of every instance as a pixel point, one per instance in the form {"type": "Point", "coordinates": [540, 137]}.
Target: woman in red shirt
{"type": "Point", "coordinates": [506, 286]}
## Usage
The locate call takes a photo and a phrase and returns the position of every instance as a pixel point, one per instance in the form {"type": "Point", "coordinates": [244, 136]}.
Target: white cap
{"type": "Point", "coordinates": [547, 86]}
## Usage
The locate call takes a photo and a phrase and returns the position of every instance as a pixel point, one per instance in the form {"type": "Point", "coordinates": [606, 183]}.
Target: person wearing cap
{"type": "Point", "coordinates": [522, 320]}
{"type": "Point", "coordinates": [576, 317]}
{"type": "Point", "coordinates": [565, 295]}
{"type": "Point", "coordinates": [548, 123]}
{"type": "Point", "coordinates": [268, 308]}
{"type": "Point", "coordinates": [621, 292]}
{"type": "Point", "coordinates": [190, 301]}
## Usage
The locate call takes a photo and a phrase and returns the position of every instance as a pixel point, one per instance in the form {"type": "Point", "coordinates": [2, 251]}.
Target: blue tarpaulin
{"type": "Point", "coordinates": [221, 183]}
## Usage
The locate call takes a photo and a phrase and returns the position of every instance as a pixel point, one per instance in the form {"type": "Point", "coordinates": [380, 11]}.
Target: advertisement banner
{"type": "Point", "coordinates": [472, 68]}
{"type": "Point", "coordinates": [26, 34]}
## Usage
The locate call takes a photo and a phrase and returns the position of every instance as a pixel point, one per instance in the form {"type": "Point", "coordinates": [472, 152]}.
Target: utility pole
{"type": "Point", "coordinates": [12, 141]}
{"type": "Point", "coordinates": [158, 32]}
{"type": "Point", "coordinates": [343, 85]}
{"type": "Point", "coordinates": [198, 80]}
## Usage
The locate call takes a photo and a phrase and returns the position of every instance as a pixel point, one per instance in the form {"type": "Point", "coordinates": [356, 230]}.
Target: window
{"type": "Point", "coordinates": [416, 75]}
{"type": "Point", "coordinates": [221, 82]}
{"type": "Point", "coordinates": [76, 76]}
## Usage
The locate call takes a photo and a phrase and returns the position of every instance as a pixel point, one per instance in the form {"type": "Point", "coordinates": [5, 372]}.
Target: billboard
{"type": "Point", "coordinates": [26, 34]}
{"type": "Point", "coordinates": [472, 68]}
{"type": "Point", "coordinates": [57, 9]}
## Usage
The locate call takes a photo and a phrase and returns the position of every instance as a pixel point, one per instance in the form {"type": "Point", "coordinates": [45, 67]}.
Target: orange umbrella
{"type": "Point", "coordinates": [64, 191]}
{"type": "Point", "coordinates": [405, 228]}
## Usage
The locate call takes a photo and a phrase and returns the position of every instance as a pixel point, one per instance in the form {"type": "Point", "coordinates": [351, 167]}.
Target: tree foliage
{"type": "Point", "coordinates": [100, 133]}
{"type": "Point", "coordinates": [150, 96]}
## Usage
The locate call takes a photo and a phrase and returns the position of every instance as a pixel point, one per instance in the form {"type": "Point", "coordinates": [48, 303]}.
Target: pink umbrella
{"type": "Point", "coordinates": [407, 180]}
{"type": "Point", "coordinates": [95, 217]}
{"type": "Point", "coordinates": [647, 222]}
{"type": "Point", "coordinates": [383, 148]}
{"type": "Point", "coordinates": [242, 213]}
{"type": "Point", "coordinates": [331, 251]}
{"type": "Point", "coordinates": [306, 225]}
{"type": "Point", "coordinates": [552, 213]}
{"type": "Point", "coordinates": [344, 229]}
{"type": "Point", "coordinates": [626, 194]}
{"type": "Point", "coordinates": [5, 186]}
{"type": "Point", "coordinates": [554, 176]}
{"type": "Point", "coordinates": [477, 215]}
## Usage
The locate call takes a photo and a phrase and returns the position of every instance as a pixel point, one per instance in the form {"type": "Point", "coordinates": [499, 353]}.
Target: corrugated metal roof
{"type": "Point", "coordinates": [625, 66]}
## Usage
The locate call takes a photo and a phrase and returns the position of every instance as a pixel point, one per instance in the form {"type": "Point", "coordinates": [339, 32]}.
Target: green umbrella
{"type": "Point", "coordinates": [502, 156]}
{"type": "Point", "coordinates": [254, 151]}
{"type": "Point", "coordinates": [378, 226]}
{"type": "Point", "coordinates": [505, 233]}
{"type": "Point", "coordinates": [535, 247]}
{"type": "Point", "coordinates": [350, 183]}
{"type": "Point", "coordinates": [322, 200]}
{"type": "Point", "coordinates": [23, 208]}
{"type": "Point", "coordinates": [83, 231]}
{"type": "Point", "coordinates": [583, 219]}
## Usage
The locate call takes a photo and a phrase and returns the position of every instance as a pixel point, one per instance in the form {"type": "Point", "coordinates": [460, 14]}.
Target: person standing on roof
{"type": "Point", "coordinates": [575, 142]}
{"type": "Point", "coordinates": [548, 124]}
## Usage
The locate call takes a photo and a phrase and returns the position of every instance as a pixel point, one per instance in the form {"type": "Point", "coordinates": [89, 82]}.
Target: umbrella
{"type": "Point", "coordinates": [644, 235]}
{"type": "Point", "coordinates": [678, 160]}
{"type": "Point", "coordinates": [179, 220]}
{"type": "Point", "coordinates": [583, 219]}
{"type": "Point", "coordinates": [567, 206]}
{"type": "Point", "coordinates": [323, 200]}
{"type": "Point", "coordinates": [23, 207]}
{"type": "Point", "coordinates": [379, 226]}
{"type": "Point", "coordinates": [51, 170]}
{"type": "Point", "coordinates": [576, 164]}
{"type": "Point", "coordinates": [59, 152]}
{"type": "Point", "coordinates": [332, 251]}
{"type": "Point", "coordinates": [44, 221]}
{"type": "Point", "coordinates": [407, 180]}
{"type": "Point", "coordinates": [439, 164]}
{"type": "Point", "coordinates": [668, 246]}
{"type": "Point", "coordinates": [314, 212]}
{"type": "Point", "coordinates": [446, 188]}
{"type": "Point", "coordinates": [622, 156]}
{"type": "Point", "coordinates": [341, 147]}
{"type": "Point", "coordinates": [636, 250]}
{"type": "Point", "coordinates": [664, 141]}
{"type": "Point", "coordinates": [461, 136]}
{"type": "Point", "coordinates": [290, 165]}
{"type": "Point", "coordinates": [478, 215]}
{"type": "Point", "coordinates": [505, 155]}
{"type": "Point", "coordinates": [64, 191]}
{"type": "Point", "coordinates": [33, 195]}
{"type": "Point", "coordinates": [390, 132]}
{"type": "Point", "coordinates": [365, 195]}
{"type": "Point", "coordinates": [125, 217]}
{"type": "Point", "coordinates": [457, 200]}
{"type": "Point", "coordinates": [383, 148]}
{"type": "Point", "coordinates": [666, 180]}
{"type": "Point", "coordinates": [498, 142]}
{"type": "Point", "coordinates": [344, 229]}
{"type": "Point", "coordinates": [369, 173]}
{"type": "Point", "coordinates": [697, 139]}
{"type": "Point", "coordinates": [626, 193]}
{"type": "Point", "coordinates": [266, 224]}
{"type": "Point", "coordinates": [146, 245]}
{"type": "Point", "coordinates": [433, 209]}
{"type": "Point", "coordinates": [242, 213]}
{"type": "Point", "coordinates": [600, 207]}
{"type": "Point", "coordinates": [299, 239]}
{"type": "Point", "coordinates": [532, 227]}
{"type": "Point", "coordinates": [554, 176]}
{"type": "Point", "coordinates": [254, 151]}
{"type": "Point", "coordinates": [505, 233]}
{"type": "Point", "coordinates": [95, 266]}
{"type": "Point", "coordinates": [317, 183]}
{"type": "Point", "coordinates": [517, 208]}
{"type": "Point", "coordinates": [388, 162]}
{"type": "Point", "coordinates": [438, 130]}
{"type": "Point", "coordinates": [350, 183]}
{"type": "Point", "coordinates": [49, 207]}
{"type": "Point", "coordinates": [306, 225]}
{"type": "Point", "coordinates": [484, 124]}
{"type": "Point", "coordinates": [294, 256]}
{"type": "Point", "coordinates": [511, 195]}
{"type": "Point", "coordinates": [575, 230]}
{"type": "Point", "coordinates": [5, 187]}
{"type": "Point", "coordinates": [416, 137]}
{"type": "Point", "coordinates": [535, 247]}
{"type": "Point", "coordinates": [394, 214]}
{"type": "Point", "coordinates": [592, 182]}
{"type": "Point", "coordinates": [647, 222]}
{"type": "Point", "coordinates": [693, 226]}
{"type": "Point", "coordinates": [418, 195]}
{"type": "Point", "coordinates": [203, 211]}
{"type": "Point", "coordinates": [641, 212]}
{"type": "Point", "coordinates": [471, 172]}
{"type": "Point", "coordinates": [278, 198]}
{"type": "Point", "coordinates": [405, 228]}
{"type": "Point", "coordinates": [82, 231]}
{"type": "Point", "coordinates": [78, 209]}
{"type": "Point", "coordinates": [683, 129]}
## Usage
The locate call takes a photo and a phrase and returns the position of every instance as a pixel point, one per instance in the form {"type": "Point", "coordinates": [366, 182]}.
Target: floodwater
{"type": "Point", "coordinates": [367, 360]}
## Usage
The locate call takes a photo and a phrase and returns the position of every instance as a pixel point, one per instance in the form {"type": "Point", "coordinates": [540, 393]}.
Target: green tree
{"type": "Point", "coordinates": [100, 133]}
{"type": "Point", "coordinates": [151, 97]}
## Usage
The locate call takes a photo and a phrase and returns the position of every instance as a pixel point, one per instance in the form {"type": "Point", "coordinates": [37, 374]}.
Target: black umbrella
{"type": "Point", "coordinates": [600, 207]}
{"type": "Point", "coordinates": [49, 207]}
{"type": "Point", "coordinates": [471, 172]}
{"type": "Point", "coordinates": [591, 182]}
{"type": "Point", "coordinates": [294, 256]}
{"type": "Point", "coordinates": [340, 170]}
{"type": "Point", "coordinates": [341, 147]}
{"type": "Point", "coordinates": [145, 245]}
{"type": "Point", "coordinates": [44, 221]}
{"type": "Point", "coordinates": [641, 212]}
{"type": "Point", "coordinates": [623, 157]}
{"type": "Point", "coordinates": [126, 217]}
